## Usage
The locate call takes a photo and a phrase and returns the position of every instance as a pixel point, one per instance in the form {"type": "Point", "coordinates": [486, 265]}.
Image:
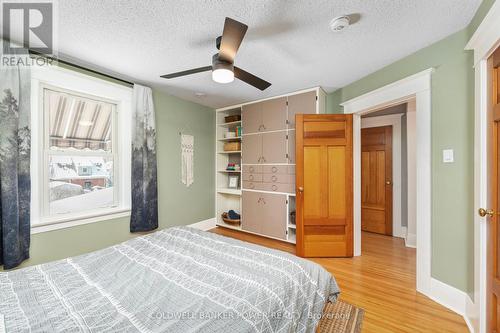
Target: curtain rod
{"type": "Point", "coordinates": [81, 67]}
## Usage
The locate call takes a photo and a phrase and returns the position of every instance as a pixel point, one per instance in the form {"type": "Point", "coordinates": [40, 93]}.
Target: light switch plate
{"type": "Point", "coordinates": [448, 156]}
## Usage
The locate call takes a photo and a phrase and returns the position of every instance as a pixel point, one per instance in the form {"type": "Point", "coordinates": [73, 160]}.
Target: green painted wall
{"type": "Point", "coordinates": [178, 205]}
{"type": "Point", "coordinates": [452, 127]}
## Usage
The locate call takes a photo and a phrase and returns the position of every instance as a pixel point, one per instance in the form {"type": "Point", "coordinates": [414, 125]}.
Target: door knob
{"type": "Point", "coordinates": [301, 189]}
{"type": "Point", "coordinates": [483, 212]}
{"type": "Point", "coordinates": [388, 182]}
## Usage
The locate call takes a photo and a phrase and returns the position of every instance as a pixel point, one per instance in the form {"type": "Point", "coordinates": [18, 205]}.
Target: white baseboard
{"type": "Point", "coordinates": [411, 240]}
{"type": "Point", "coordinates": [399, 232]}
{"type": "Point", "coordinates": [454, 299]}
{"type": "Point", "coordinates": [471, 316]}
{"type": "Point", "coordinates": [204, 225]}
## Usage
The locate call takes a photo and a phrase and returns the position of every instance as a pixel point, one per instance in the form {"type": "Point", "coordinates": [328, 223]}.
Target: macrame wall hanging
{"type": "Point", "coordinates": [187, 159]}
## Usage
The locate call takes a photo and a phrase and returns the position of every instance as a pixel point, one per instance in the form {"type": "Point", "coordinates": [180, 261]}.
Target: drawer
{"type": "Point", "coordinates": [275, 169]}
{"type": "Point", "coordinates": [252, 169]}
{"type": "Point", "coordinates": [276, 187]}
{"type": "Point", "coordinates": [278, 178]}
{"type": "Point", "coordinates": [253, 185]}
{"type": "Point", "coordinates": [252, 177]}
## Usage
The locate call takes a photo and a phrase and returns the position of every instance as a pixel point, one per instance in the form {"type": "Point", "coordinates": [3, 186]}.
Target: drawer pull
{"type": "Point", "coordinates": [274, 178]}
{"type": "Point", "coordinates": [250, 177]}
{"type": "Point", "coordinates": [274, 169]}
{"type": "Point", "coordinates": [251, 185]}
{"type": "Point", "coordinates": [274, 187]}
{"type": "Point", "coordinates": [252, 169]}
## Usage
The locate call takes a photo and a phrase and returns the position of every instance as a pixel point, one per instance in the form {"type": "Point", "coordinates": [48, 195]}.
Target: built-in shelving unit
{"type": "Point", "coordinates": [226, 198]}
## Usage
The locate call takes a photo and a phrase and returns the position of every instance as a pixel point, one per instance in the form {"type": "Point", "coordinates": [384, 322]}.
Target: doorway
{"type": "Point", "coordinates": [416, 88]}
{"type": "Point", "coordinates": [391, 131]}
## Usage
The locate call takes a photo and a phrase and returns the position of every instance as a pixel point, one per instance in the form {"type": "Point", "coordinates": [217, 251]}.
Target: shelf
{"type": "Point", "coordinates": [230, 152]}
{"type": "Point", "coordinates": [231, 191]}
{"type": "Point", "coordinates": [230, 171]}
{"type": "Point", "coordinates": [231, 124]}
{"type": "Point", "coordinates": [292, 226]}
{"type": "Point", "coordinates": [237, 138]}
{"type": "Point", "coordinates": [229, 226]}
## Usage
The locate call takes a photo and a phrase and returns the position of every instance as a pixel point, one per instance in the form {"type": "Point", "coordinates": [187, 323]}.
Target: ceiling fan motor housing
{"type": "Point", "coordinates": [221, 64]}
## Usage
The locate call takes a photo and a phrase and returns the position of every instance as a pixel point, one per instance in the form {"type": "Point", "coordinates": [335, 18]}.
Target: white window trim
{"type": "Point", "coordinates": [81, 84]}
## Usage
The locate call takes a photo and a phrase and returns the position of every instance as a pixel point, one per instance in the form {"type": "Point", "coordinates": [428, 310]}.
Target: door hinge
{"type": "Point", "coordinates": [286, 102]}
{"type": "Point", "coordinates": [316, 97]}
{"type": "Point", "coordinates": [286, 201]}
{"type": "Point", "coordinates": [286, 155]}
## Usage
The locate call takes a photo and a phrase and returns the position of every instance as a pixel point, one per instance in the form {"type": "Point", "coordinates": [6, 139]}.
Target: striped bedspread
{"type": "Point", "coordinates": [175, 280]}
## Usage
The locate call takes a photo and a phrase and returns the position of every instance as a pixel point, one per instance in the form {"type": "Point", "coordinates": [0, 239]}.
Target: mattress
{"type": "Point", "coordinates": [174, 280]}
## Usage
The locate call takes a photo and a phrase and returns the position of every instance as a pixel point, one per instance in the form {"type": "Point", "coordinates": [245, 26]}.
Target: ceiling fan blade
{"type": "Point", "coordinates": [232, 36]}
{"type": "Point", "coordinates": [188, 72]}
{"type": "Point", "coordinates": [251, 79]}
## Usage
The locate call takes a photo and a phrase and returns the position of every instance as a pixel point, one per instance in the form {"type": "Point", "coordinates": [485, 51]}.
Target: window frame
{"type": "Point", "coordinates": [47, 153]}
{"type": "Point", "coordinates": [79, 84]}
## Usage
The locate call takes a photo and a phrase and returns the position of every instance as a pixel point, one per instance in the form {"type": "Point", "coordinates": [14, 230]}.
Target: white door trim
{"type": "Point", "coordinates": [417, 86]}
{"type": "Point", "coordinates": [393, 120]}
{"type": "Point", "coordinates": [484, 41]}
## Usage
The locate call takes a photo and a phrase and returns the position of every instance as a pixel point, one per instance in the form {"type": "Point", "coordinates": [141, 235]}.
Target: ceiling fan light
{"type": "Point", "coordinates": [222, 75]}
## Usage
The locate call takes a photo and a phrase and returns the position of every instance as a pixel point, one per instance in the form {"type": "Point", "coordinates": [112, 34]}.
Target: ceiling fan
{"type": "Point", "coordinates": [223, 69]}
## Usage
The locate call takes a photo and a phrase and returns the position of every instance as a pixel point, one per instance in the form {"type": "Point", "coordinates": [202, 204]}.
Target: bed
{"type": "Point", "coordinates": [174, 280]}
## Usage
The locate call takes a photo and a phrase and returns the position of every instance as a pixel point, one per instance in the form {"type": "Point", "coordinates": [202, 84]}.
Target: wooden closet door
{"type": "Point", "coordinates": [304, 103]}
{"type": "Point", "coordinates": [324, 185]}
{"type": "Point", "coordinates": [274, 147]}
{"type": "Point", "coordinates": [251, 149]}
{"type": "Point", "coordinates": [251, 117]}
{"type": "Point", "coordinates": [376, 180]}
{"type": "Point", "coordinates": [274, 114]}
{"type": "Point", "coordinates": [273, 215]}
{"type": "Point", "coordinates": [251, 211]}
{"type": "Point", "coordinates": [492, 211]}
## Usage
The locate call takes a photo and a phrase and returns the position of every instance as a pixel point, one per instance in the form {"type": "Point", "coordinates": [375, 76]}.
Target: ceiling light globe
{"type": "Point", "coordinates": [222, 75]}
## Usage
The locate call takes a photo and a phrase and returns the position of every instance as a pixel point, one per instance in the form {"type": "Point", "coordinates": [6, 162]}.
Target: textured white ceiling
{"type": "Point", "coordinates": [288, 43]}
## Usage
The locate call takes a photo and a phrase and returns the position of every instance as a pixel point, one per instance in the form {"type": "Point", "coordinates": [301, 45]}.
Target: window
{"type": "Point", "coordinates": [80, 149]}
{"type": "Point", "coordinates": [79, 153]}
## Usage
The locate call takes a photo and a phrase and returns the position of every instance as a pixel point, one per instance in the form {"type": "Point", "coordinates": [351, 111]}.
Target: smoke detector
{"type": "Point", "coordinates": [339, 23]}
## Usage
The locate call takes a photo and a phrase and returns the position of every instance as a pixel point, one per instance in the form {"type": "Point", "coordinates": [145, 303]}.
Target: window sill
{"type": "Point", "coordinates": [68, 222]}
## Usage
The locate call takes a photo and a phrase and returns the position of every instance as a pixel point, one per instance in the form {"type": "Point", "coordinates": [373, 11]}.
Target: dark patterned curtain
{"type": "Point", "coordinates": [15, 186]}
{"type": "Point", "coordinates": [144, 183]}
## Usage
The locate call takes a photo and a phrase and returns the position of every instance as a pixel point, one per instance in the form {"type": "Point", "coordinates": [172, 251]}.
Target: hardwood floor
{"type": "Point", "coordinates": [381, 281]}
